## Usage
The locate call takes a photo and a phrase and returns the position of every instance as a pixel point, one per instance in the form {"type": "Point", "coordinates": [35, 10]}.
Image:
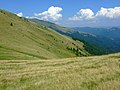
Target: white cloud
{"type": "Point", "coordinates": [53, 14]}
{"type": "Point", "coordinates": [20, 14]}
{"type": "Point", "coordinates": [83, 14]}
{"type": "Point", "coordinates": [103, 17]}
{"type": "Point", "coordinates": [102, 13]}
{"type": "Point", "coordinates": [109, 12]}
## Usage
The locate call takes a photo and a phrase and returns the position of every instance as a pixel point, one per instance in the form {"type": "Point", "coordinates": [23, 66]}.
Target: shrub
{"type": "Point", "coordinates": [11, 24]}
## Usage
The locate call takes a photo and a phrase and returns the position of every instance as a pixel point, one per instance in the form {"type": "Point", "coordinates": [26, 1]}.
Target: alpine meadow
{"type": "Point", "coordinates": [50, 45]}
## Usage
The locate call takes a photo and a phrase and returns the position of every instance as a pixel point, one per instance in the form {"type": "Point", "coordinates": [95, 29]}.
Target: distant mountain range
{"type": "Point", "coordinates": [108, 38]}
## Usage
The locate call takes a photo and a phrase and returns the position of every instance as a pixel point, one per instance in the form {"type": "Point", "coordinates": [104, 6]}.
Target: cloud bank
{"type": "Point", "coordinates": [103, 17]}
{"type": "Point", "coordinates": [83, 18]}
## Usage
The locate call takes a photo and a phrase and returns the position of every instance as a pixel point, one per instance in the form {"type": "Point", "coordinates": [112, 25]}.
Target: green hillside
{"type": "Point", "coordinates": [84, 73]}
{"type": "Point", "coordinates": [91, 42]}
{"type": "Point", "coordinates": [22, 39]}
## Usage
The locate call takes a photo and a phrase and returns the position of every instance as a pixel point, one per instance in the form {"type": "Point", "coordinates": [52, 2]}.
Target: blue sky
{"type": "Point", "coordinates": [68, 12]}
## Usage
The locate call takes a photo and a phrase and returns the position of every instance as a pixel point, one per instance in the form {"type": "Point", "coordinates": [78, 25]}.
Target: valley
{"type": "Point", "coordinates": [100, 40]}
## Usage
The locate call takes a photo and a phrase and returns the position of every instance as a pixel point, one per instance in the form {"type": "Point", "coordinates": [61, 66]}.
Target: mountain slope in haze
{"type": "Point", "coordinates": [108, 38]}
{"type": "Point", "coordinates": [112, 32]}
{"type": "Point", "coordinates": [22, 39]}
{"type": "Point", "coordinates": [96, 40]}
{"type": "Point", "coordinates": [51, 25]}
{"type": "Point", "coordinates": [81, 36]}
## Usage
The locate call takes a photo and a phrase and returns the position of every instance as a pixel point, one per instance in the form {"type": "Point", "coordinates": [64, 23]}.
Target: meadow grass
{"type": "Point", "coordinates": [81, 73]}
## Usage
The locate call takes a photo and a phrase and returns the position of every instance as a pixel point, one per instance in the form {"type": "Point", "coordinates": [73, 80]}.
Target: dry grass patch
{"type": "Point", "coordinates": [85, 73]}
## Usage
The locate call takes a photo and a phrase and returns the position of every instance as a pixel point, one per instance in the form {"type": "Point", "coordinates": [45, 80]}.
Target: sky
{"type": "Point", "coordinates": [69, 13]}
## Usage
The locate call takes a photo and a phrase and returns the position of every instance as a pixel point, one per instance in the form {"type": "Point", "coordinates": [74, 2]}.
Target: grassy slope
{"type": "Point", "coordinates": [91, 42]}
{"type": "Point", "coordinates": [85, 73]}
{"type": "Point", "coordinates": [27, 40]}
